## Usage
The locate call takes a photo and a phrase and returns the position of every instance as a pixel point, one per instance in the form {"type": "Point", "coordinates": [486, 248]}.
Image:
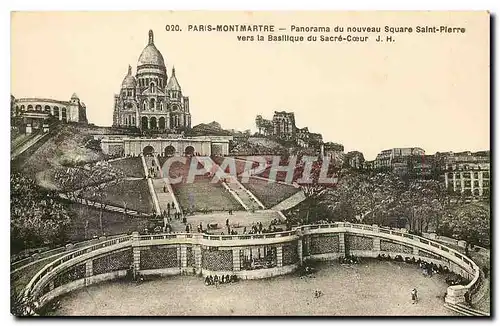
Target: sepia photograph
{"type": "Point", "coordinates": [250, 163]}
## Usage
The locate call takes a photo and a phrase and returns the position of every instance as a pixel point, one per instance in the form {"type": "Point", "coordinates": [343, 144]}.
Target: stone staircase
{"type": "Point", "coordinates": [164, 191]}
{"type": "Point", "coordinates": [465, 310]}
{"type": "Point", "coordinates": [23, 145]}
{"type": "Point", "coordinates": [146, 163]}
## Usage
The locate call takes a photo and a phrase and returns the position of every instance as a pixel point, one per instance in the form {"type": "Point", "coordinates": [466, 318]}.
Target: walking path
{"type": "Point", "coordinates": [291, 201]}
{"type": "Point", "coordinates": [108, 207]}
{"type": "Point", "coordinates": [238, 220]}
{"type": "Point", "coordinates": [147, 164]}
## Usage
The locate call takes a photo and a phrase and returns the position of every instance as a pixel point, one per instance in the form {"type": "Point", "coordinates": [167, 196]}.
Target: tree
{"type": "Point", "coordinates": [38, 217]}
{"type": "Point", "coordinates": [424, 202]}
{"type": "Point", "coordinates": [469, 222]}
{"type": "Point", "coordinates": [90, 183]}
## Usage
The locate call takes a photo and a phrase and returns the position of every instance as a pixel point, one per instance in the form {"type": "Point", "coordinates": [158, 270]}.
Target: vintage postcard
{"type": "Point", "coordinates": [205, 163]}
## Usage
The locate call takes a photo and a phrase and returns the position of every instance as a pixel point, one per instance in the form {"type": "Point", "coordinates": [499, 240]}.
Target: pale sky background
{"type": "Point", "coordinates": [426, 90]}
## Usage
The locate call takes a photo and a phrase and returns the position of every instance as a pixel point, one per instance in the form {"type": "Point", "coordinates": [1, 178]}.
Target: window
{"type": "Point", "coordinates": [151, 87]}
{"type": "Point", "coordinates": [161, 106]}
{"type": "Point", "coordinates": [152, 103]}
{"type": "Point", "coordinates": [144, 106]}
{"type": "Point", "coordinates": [486, 175]}
{"type": "Point", "coordinates": [475, 175]}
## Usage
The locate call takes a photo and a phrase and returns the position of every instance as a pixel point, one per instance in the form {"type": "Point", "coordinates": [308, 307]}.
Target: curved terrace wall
{"type": "Point", "coordinates": [203, 254]}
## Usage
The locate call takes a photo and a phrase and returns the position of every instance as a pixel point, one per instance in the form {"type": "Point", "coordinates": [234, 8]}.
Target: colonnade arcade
{"type": "Point", "coordinates": [54, 110]}
{"type": "Point", "coordinates": [154, 122]}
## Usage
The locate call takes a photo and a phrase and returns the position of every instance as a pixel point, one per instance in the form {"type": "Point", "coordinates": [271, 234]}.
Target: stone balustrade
{"type": "Point", "coordinates": [246, 255]}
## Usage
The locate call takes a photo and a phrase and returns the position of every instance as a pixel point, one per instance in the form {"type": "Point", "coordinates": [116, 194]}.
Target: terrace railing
{"type": "Point", "coordinates": [36, 280]}
{"type": "Point", "coordinates": [196, 238]}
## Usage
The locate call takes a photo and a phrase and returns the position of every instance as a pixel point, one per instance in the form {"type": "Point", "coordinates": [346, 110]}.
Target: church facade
{"type": "Point", "coordinates": [150, 100]}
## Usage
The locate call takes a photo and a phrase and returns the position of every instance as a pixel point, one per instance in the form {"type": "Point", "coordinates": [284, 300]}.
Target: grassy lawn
{"type": "Point", "coordinates": [202, 194]}
{"type": "Point", "coordinates": [133, 194]}
{"type": "Point", "coordinates": [131, 166]}
{"type": "Point", "coordinates": [67, 145]}
{"type": "Point", "coordinates": [269, 194]}
{"type": "Point", "coordinates": [112, 223]}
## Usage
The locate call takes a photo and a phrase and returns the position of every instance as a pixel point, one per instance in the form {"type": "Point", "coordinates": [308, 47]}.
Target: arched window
{"type": "Point", "coordinates": [56, 112]}
{"type": "Point", "coordinates": [152, 103]}
{"type": "Point", "coordinates": [161, 106]}
{"type": "Point", "coordinates": [133, 120]}
{"type": "Point", "coordinates": [161, 123]}
{"type": "Point", "coordinates": [144, 122]}
{"type": "Point", "coordinates": [47, 109]}
{"type": "Point", "coordinates": [152, 123]}
{"type": "Point", "coordinates": [22, 108]}
{"type": "Point", "coordinates": [151, 87]}
{"type": "Point", "coordinates": [144, 106]}
{"type": "Point", "coordinates": [63, 114]}
{"type": "Point", "coordinates": [30, 107]}
{"type": "Point", "coordinates": [38, 107]}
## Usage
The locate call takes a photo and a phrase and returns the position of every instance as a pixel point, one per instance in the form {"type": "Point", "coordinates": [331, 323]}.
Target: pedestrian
{"type": "Point", "coordinates": [227, 222]}
{"type": "Point", "coordinates": [414, 297]}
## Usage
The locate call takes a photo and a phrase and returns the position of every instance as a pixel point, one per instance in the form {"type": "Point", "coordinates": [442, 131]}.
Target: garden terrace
{"type": "Point", "coordinates": [131, 166]}
{"type": "Point", "coordinates": [202, 194]}
{"type": "Point", "coordinates": [132, 194]}
{"type": "Point", "coordinates": [112, 222]}
{"type": "Point", "coordinates": [270, 193]}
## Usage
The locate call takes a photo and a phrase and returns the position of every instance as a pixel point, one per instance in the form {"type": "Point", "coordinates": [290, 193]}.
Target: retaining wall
{"type": "Point", "coordinates": [247, 256]}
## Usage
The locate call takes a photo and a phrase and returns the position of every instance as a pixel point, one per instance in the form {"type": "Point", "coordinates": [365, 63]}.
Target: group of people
{"type": "Point", "coordinates": [259, 229]}
{"type": "Point", "coordinates": [429, 269]}
{"type": "Point", "coordinates": [216, 280]}
{"type": "Point", "coordinates": [153, 172]}
{"type": "Point", "coordinates": [318, 293]}
{"type": "Point", "coordinates": [349, 259]}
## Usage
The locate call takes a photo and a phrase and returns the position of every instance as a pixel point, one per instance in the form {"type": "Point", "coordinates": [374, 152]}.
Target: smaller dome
{"type": "Point", "coordinates": [74, 97]}
{"type": "Point", "coordinates": [173, 84]}
{"type": "Point", "coordinates": [129, 80]}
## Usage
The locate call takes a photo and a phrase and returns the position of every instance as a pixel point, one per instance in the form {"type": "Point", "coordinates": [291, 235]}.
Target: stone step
{"type": "Point", "coordinates": [471, 310]}
{"type": "Point", "coordinates": [464, 310]}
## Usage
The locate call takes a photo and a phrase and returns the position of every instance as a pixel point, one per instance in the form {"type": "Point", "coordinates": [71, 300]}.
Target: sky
{"type": "Point", "coordinates": [429, 91]}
